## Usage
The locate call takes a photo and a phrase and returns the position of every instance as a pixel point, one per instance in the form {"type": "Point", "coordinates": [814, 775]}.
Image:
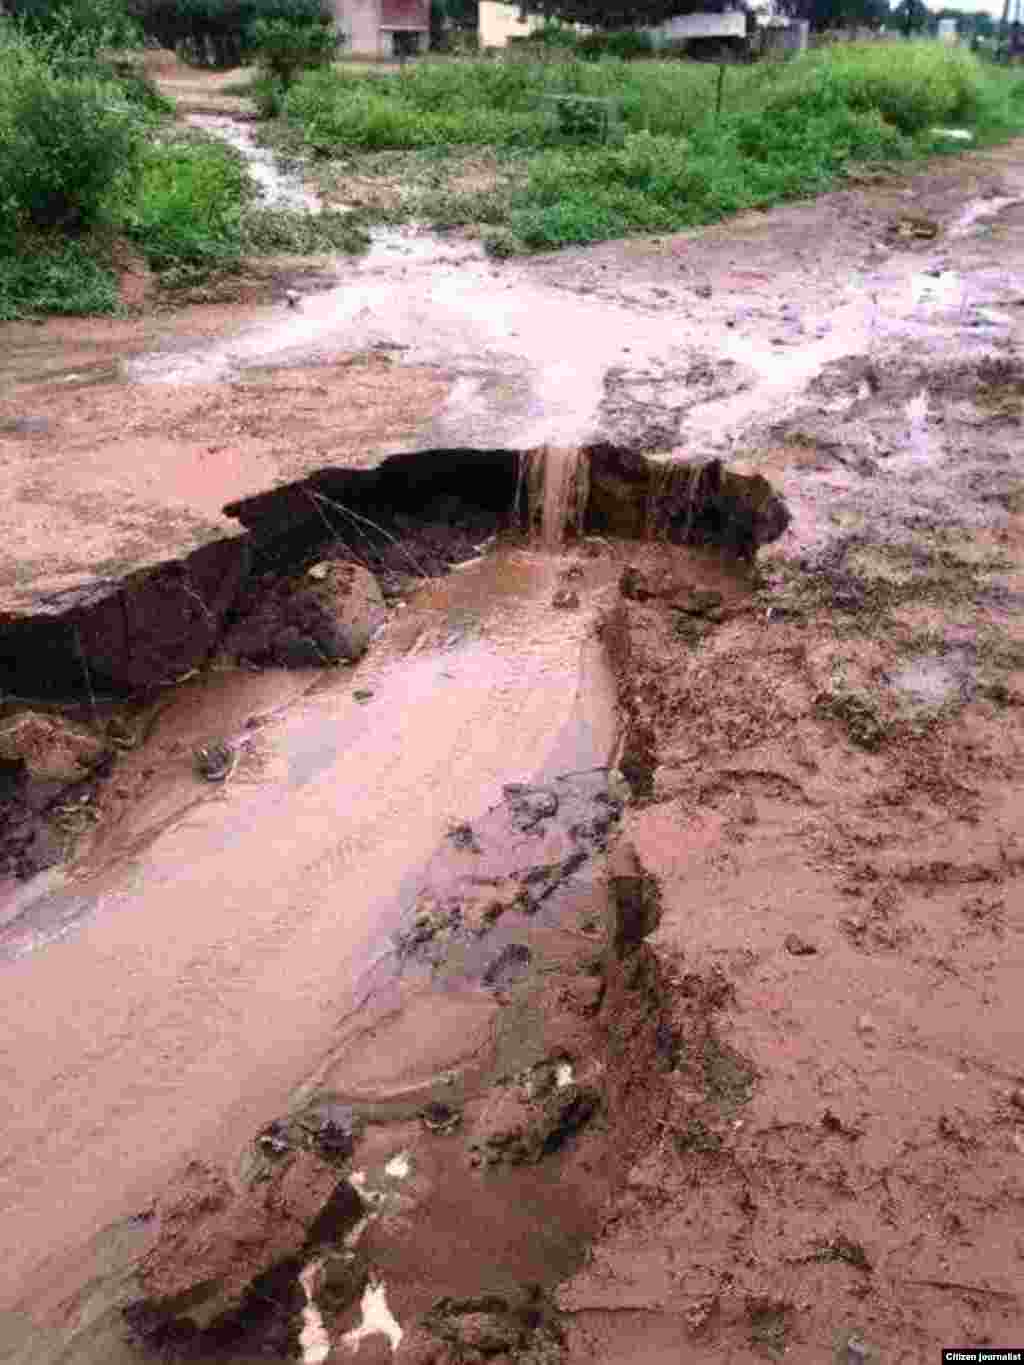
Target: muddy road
{"type": "Point", "coordinates": [625, 951]}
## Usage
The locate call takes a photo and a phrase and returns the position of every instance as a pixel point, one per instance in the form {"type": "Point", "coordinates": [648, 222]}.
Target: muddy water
{"type": "Point", "coordinates": [172, 999]}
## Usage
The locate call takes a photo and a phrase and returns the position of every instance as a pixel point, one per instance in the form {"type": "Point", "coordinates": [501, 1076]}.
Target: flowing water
{"type": "Point", "coordinates": [170, 1000]}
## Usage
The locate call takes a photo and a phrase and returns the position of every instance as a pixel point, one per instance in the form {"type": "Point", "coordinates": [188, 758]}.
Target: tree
{"type": "Point", "coordinates": [911, 16]}
{"type": "Point", "coordinates": [826, 14]}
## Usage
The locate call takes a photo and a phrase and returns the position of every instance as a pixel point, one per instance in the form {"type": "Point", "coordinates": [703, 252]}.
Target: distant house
{"type": "Point", "coordinates": [500, 22]}
{"type": "Point", "coordinates": [384, 28]}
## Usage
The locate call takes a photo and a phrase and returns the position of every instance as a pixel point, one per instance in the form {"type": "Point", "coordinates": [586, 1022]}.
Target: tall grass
{"type": "Point", "coordinates": [787, 128]}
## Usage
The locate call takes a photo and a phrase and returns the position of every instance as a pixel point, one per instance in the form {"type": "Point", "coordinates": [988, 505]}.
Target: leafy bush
{"type": "Point", "coordinates": [78, 28]}
{"type": "Point", "coordinates": [216, 32]}
{"type": "Point", "coordinates": [913, 86]}
{"type": "Point", "coordinates": [284, 47]}
{"type": "Point", "coordinates": [66, 143]}
{"type": "Point", "coordinates": [628, 45]}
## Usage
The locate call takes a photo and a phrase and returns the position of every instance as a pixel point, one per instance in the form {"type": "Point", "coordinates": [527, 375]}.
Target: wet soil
{"type": "Point", "coordinates": [794, 1121]}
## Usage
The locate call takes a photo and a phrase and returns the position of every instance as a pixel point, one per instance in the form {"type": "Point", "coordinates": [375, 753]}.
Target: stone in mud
{"type": "Point", "coordinates": [50, 748]}
{"type": "Point", "coordinates": [633, 903]}
{"type": "Point", "coordinates": [567, 599]}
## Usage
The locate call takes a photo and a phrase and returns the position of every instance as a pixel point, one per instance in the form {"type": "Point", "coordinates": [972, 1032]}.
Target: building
{"type": "Point", "coordinates": [384, 28]}
{"type": "Point", "coordinates": [500, 22]}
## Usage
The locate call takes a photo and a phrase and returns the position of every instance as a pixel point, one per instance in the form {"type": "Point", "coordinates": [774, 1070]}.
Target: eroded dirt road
{"type": "Point", "coordinates": [824, 762]}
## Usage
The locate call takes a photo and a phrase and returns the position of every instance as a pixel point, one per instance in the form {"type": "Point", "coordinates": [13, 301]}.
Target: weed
{"type": "Point", "coordinates": [789, 129]}
{"type": "Point", "coordinates": [48, 277]}
{"type": "Point", "coordinates": [188, 204]}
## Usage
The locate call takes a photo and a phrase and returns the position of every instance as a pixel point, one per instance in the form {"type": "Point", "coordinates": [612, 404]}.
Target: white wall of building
{"type": "Point", "coordinates": [499, 23]}
{"type": "Point", "coordinates": [686, 26]}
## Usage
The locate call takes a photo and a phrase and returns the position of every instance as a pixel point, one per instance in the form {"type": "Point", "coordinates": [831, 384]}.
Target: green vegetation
{"type": "Point", "coordinates": [223, 33]}
{"type": "Point", "coordinates": [88, 161]}
{"type": "Point", "coordinates": [787, 129]}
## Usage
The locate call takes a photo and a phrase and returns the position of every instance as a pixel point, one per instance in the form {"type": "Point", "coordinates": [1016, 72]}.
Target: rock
{"type": "Point", "coordinates": [48, 747]}
{"type": "Point", "coordinates": [633, 902]}
{"type": "Point", "coordinates": [566, 598]}
{"type": "Point", "coordinates": [799, 947]}
{"type": "Point", "coordinates": [1017, 1098]}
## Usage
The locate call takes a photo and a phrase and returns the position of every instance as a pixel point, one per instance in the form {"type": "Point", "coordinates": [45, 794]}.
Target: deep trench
{"type": "Point", "coordinates": [413, 516]}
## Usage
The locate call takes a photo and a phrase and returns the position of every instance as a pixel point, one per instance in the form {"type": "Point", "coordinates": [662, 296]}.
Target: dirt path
{"type": "Point", "coordinates": [826, 762]}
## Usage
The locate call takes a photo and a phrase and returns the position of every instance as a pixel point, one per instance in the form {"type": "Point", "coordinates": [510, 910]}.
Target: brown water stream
{"type": "Point", "coordinates": [172, 999]}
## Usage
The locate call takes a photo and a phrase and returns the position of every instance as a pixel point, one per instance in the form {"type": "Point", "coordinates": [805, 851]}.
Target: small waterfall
{"type": "Point", "coordinates": [557, 490]}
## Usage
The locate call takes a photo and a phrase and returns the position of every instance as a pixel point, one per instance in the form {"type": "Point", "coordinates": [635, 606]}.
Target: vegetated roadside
{"type": "Point", "coordinates": [482, 143]}
{"type": "Point", "coordinates": [95, 173]}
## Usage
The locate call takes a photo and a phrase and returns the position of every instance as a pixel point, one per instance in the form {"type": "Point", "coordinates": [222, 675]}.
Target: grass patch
{"type": "Point", "coordinates": [62, 278]}
{"type": "Point", "coordinates": [788, 129]}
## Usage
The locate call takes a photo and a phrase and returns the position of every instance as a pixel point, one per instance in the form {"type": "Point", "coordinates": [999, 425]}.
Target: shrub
{"type": "Point", "coordinates": [284, 47]}
{"type": "Point", "coordinates": [66, 142]}
{"type": "Point", "coordinates": [627, 45]}
{"type": "Point", "coordinates": [216, 32]}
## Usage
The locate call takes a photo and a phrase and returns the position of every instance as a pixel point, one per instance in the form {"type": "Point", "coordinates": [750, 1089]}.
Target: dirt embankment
{"type": "Point", "coordinates": [827, 758]}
